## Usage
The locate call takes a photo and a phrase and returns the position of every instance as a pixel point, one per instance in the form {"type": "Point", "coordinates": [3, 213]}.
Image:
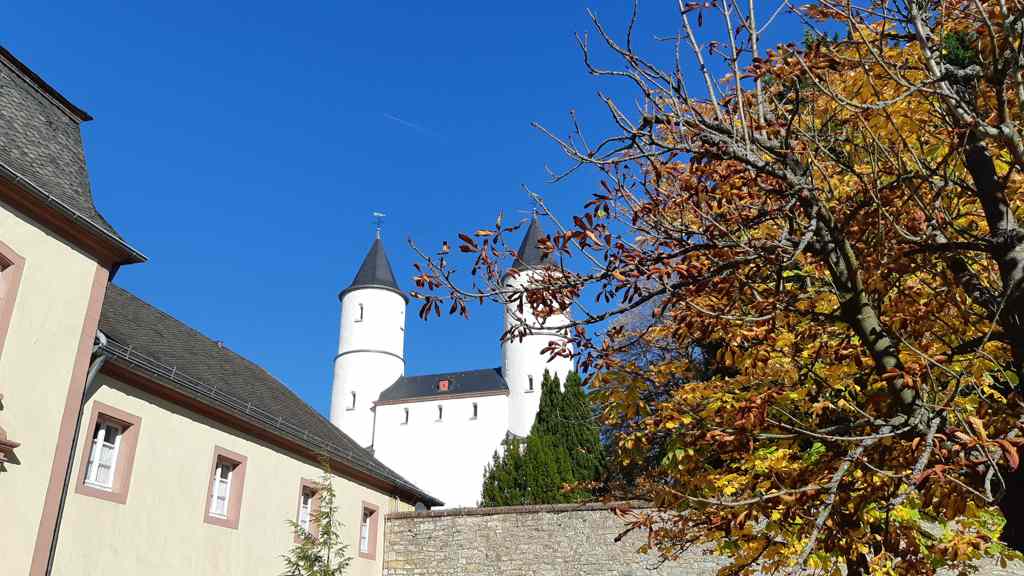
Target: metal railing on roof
{"type": "Point", "coordinates": [278, 423]}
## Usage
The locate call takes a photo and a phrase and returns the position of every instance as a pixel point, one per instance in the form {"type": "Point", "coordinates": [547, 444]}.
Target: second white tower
{"type": "Point", "coordinates": [371, 346]}
{"type": "Point", "coordinates": [523, 363]}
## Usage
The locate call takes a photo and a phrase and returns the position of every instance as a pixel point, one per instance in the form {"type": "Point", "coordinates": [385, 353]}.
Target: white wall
{"type": "Point", "coordinates": [447, 458]}
{"type": "Point", "coordinates": [371, 349]}
{"type": "Point", "coordinates": [522, 359]}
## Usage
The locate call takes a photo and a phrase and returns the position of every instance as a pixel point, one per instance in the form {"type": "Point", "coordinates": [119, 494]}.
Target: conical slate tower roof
{"type": "Point", "coordinates": [375, 272]}
{"type": "Point", "coordinates": [529, 254]}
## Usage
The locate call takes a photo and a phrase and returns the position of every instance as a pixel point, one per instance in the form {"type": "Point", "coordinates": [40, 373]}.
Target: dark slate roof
{"type": "Point", "coordinates": [529, 254]}
{"type": "Point", "coordinates": [477, 382]}
{"type": "Point", "coordinates": [375, 272]}
{"type": "Point", "coordinates": [131, 322]}
{"type": "Point", "coordinates": [41, 147]}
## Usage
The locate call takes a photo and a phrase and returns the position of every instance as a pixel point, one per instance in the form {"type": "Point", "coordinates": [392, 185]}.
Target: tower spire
{"type": "Point", "coordinates": [530, 255]}
{"type": "Point", "coordinates": [375, 272]}
{"type": "Point", "coordinates": [379, 217]}
{"type": "Point", "coordinates": [371, 343]}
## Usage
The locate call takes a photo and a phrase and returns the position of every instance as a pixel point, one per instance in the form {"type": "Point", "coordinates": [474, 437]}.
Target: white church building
{"type": "Point", "coordinates": [437, 430]}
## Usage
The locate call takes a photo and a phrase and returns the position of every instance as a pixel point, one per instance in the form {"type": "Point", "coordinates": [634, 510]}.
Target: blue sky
{"type": "Point", "coordinates": [242, 146]}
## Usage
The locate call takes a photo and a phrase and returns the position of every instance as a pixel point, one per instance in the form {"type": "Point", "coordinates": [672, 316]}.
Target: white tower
{"type": "Point", "coordinates": [371, 347]}
{"type": "Point", "coordinates": [523, 364]}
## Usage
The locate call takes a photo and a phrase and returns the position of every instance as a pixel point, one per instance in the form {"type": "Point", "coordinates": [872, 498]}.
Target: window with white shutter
{"type": "Point", "coordinates": [108, 453]}
{"type": "Point", "coordinates": [221, 489]}
{"type": "Point", "coordinates": [226, 485]}
{"type": "Point", "coordinates": [368, 531]}
{"type": "Point", "coordinates": [306, 508]}
{"type": "Point", "coordinates": [106, 441]}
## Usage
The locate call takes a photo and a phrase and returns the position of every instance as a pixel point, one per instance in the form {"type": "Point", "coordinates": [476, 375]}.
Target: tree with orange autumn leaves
{"type": "Point", "coordinates": [825, 245]}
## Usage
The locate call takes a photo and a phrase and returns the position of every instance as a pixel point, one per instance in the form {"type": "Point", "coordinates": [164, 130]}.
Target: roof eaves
{"type": "Point", "coordinates": [455, 396]}
{"type": "Point", "coordinates": [132, 256]}
{"type": "Point", "coordinates": [341, 295]}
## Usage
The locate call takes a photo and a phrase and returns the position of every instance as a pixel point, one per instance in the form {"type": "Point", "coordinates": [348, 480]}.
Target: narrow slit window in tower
{"type": "Point", "coordinates": [406, 421]}
{"type": "Point", "coordinates": [476, 411]}
{"type": "Point", "coordinates": [530, 387]}
{"type": "Point", "coordinates": [360, 319]}
{"type": "Point", "coordinates": [353, 405]}
{"type": "Point", "coordinates": [440, 412]}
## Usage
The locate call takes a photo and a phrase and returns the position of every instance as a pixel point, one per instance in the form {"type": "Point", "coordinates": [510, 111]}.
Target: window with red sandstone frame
{"type": "Point", "coordinates": [11, 267]}
{"type": "Point", "coordinates": [108, 453]}
{"type": "Point", "coordinates": [227, 483]}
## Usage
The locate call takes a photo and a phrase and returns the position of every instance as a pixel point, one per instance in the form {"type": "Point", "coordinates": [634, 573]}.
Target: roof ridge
{"type": "Point", "coordinates": [451, 372]}
{"type": "Point", "coordinates": [44, 87]}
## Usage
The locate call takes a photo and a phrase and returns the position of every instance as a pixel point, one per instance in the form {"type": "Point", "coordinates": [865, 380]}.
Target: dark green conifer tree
{"type": "Point", "coordinates": [563, 449]}
{"type": "Point", "coordinates": [580, 433]}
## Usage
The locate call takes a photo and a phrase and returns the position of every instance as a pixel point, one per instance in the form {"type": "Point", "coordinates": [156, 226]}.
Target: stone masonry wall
{"type": "Point", "coordinates": [558, 540]}
{"type": "Point", "coordinates": [552, 540]}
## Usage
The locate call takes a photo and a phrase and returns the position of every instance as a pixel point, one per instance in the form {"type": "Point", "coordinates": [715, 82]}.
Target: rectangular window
{"type": "Point", "coordinates": [11, 267]}
{"type": "Point", "coordinates": [368, 531]}
{"type": "Point", "coordinates": [406, 421]}
{"type": "Point", "coordinates": [108, 453]}
{"type": "Point", "coordinates": [106, 440]}
{"type": "Point", "coordinates": [305, 509]}
{"type": "Point", "coordinates": [440, 412]}
{"type": "Point", "coordinates": [227, 481]}
{"type": "Point", "coordinates": [309, 505]}
{"type": "Point", "coordinates": [476, 411]}
{"type": "Point", "coordinates": [364, 532]}
{"type": "Point", "coordinates": [221, 489]}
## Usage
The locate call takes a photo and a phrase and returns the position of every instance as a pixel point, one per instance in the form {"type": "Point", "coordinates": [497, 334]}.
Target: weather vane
{"type": "Point", "coordinates": [379, 217]}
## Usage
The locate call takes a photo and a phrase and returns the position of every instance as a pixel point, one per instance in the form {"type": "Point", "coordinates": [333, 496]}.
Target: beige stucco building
{"type": "Point", "coordinates": [117, 419]}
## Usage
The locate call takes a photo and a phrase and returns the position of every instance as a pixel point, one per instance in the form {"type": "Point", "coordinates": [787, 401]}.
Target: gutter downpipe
{"type": "Point", "coordinates": [373, 431]}
{"type": "Point", "coordinates": [99, 357]}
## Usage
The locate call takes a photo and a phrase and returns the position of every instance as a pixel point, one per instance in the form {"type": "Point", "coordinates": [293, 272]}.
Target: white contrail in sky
{"type": "Point", "coordinates": [412, 125]}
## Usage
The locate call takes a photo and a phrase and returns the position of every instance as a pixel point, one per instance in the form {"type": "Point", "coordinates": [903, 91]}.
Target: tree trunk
{"type": "Point", "coordinates": [857, 566]}
{"type": "Point", "coordinates": [1012, 505]}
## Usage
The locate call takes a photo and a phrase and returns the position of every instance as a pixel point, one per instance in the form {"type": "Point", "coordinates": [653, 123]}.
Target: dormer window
{"type": "Point", "coordinates": [442, 385]}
